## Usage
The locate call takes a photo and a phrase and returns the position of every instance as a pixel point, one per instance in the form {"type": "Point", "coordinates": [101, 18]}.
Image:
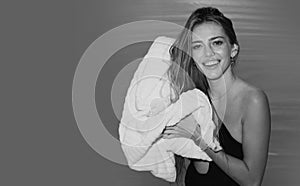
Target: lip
{"type": "Point", "coordinates": [211, 63]}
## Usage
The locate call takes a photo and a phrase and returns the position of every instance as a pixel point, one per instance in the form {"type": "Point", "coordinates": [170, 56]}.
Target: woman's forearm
{"type": "Point", "coordinates": [237, 169]}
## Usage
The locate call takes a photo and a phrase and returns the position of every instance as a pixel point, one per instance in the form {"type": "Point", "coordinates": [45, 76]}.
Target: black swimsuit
{"type": "Point", "coordinates": [215, 175]}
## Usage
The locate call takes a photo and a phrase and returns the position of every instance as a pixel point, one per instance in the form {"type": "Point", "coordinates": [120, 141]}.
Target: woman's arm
{"type": "Point", "coordinates": [256, 135]}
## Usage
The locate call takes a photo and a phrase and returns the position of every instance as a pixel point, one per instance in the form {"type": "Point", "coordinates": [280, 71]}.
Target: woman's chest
{"type": "Point", "coordinates": [230, 113]}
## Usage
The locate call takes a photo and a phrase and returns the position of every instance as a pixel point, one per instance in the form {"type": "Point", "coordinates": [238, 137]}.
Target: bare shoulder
{"type": "Point", "coordinates": [255, 97]}
{"type": "Point", "coordinates": [255, 100]}
{"type": "Point", "coordinates": [251, 94]}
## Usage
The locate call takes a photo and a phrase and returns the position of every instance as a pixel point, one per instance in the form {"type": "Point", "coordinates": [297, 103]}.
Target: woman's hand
{"type": "Point", "coordinates": [186, 128]}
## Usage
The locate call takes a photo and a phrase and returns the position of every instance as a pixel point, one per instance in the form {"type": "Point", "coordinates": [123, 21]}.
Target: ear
{"type": "Point", "coordinates": [234, 50]}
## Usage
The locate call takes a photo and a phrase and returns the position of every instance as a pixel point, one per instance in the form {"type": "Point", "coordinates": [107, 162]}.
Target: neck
{"type": "Point", "coordinates": [221, 86]}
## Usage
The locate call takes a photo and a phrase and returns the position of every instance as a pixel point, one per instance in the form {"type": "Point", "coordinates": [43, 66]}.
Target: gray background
{"type": "Point", "coordinates": [42, 42]}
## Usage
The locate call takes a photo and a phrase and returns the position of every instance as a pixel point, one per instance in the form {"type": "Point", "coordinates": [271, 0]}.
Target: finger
{"type": "Point", "coordinates": [196, 131]}
{"type": "Point", "coordinates": [168, 131]}
{"type": "Point", "coordinates": [171, 136]}
{"type": "Point", "coordinates": [166, 136]}
{"type": "Point", "coordinates": [176, 135]}
{"type": "Point", "coordinates": [177, 128]}
{"type": "Point", "coordinates": [178, 132]}
{"type": "Point", "coordinates": [183, 129]}
{"type": "Point", "coordinates": [171, 127]}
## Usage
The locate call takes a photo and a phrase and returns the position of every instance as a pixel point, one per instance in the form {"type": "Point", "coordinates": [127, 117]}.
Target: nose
{"type": "Point", "coordinates": [209, 51]}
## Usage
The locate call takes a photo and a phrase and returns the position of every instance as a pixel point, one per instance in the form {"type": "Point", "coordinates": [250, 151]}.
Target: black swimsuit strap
{"type": "Point", "coordinates": [228, 133]}
{"type": "Point", "coordinates": [229, 144]}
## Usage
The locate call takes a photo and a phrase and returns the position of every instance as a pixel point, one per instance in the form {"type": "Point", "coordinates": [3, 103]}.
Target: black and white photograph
{"type": "Point", "coordinates": [150, 92]}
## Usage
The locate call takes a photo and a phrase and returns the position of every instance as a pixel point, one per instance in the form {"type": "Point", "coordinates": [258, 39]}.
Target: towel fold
{"type": "Point", "coordinates": [148, 110]}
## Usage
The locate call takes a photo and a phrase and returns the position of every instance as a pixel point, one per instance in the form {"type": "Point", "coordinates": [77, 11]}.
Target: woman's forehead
{"type": "Point", "coordinates": [207, 30]}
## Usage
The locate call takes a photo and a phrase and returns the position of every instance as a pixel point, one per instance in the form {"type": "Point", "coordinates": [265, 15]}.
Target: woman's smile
{"type": "Point", "coordinates": [211, 64]}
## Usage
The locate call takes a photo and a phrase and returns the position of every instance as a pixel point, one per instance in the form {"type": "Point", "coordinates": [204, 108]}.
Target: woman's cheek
{"type": "Point", "coordinates": [196, 57]}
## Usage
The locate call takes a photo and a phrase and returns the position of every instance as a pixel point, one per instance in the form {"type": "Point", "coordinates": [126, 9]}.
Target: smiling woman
{"type": "Point", "coordinates": [207, 50]}
{"type": "Point", "coordinates": [212, 50]}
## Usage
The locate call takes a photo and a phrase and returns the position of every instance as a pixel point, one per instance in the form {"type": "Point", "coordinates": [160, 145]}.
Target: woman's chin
{"type": "Point", "coordinates": [212, 78]}
{"type": "Point", "coordinates": [213, 75]}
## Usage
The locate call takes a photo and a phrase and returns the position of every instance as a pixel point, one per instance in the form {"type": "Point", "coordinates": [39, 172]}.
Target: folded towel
{"type": "Point", "coordinates": [148, 110]}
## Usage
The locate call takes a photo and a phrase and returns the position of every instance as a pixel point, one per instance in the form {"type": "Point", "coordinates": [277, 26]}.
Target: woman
{"type": "Point", "coordinates": [207, 50]}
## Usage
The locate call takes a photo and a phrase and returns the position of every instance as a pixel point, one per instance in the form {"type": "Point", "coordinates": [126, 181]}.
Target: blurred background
{"type": "Point", "coordinates": [43, 41]}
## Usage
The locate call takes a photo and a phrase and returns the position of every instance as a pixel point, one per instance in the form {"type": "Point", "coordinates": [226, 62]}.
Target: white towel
{"type": "Point", "coordinates": [148, 110]}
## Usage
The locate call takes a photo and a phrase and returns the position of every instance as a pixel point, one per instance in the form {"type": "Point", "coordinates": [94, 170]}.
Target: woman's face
{"type": "Point", "coordinates": [211, 50]}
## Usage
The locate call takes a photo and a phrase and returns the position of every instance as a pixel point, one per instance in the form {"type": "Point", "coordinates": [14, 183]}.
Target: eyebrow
{"type": "Point", "coordinates": [213, 38]}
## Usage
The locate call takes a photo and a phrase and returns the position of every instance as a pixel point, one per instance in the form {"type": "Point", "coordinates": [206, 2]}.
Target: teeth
{"type": "Point", "coordinates": [210, 63]}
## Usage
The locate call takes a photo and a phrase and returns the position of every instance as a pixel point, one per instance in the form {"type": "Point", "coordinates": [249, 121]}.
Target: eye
{"type": "Point", "coordinates": [196, 47]}
{"type": "Point", "coordinates": [218, 43]}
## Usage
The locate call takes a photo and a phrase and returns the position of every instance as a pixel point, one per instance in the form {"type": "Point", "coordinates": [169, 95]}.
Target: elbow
{"type": "Point", "coordinates": [251, 181]}
{"type": "Point", "coordinates": [254, 184]}
{"type": "Point", "coordinates": [252, 177]}
{"type": "Point", "coordinates": [251, 184]}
